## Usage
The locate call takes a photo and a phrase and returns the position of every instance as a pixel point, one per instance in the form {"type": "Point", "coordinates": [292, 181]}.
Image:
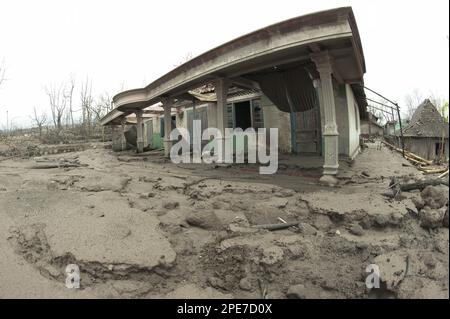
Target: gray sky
{"type": "Point", "coordinates": [127, 44]}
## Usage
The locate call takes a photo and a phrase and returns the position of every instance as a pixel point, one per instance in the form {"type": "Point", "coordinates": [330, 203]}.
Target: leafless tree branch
{"type": "Point", "coordinates": [58, 104]}
{"type": "Point", "coordinates": [39, 120]}
{"type": "Point", "coordinates": [2, 72]}
{"type": "Point", "coordinates": [412, 101]}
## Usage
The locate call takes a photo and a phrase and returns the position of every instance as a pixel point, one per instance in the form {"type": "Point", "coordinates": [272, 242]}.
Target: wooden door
{"type": "Point", "coordinates": [307, 132]}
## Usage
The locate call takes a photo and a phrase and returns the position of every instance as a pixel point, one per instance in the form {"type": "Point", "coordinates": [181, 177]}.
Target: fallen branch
{"type": "Point", "coordinates": [388, 195]}
{"type": "Point", "coordinates": [62, 165]}
{"type": "Point", "coordinates": [276, 226]}
{"type": "Point", "coordinates": [285, 222]}
{"type": "Point", "coordinates": [414, 160]}
{"type": "Point", "coordinates": [417, 157]}
{"type": "Point", "coordinates": [434, 170]}
{"type": "Point", "coordinates": [443, 174]}
{"type": "Point", "coordinates": [409, 155]}
{"type": "Point", "coordinates": [422, 184]}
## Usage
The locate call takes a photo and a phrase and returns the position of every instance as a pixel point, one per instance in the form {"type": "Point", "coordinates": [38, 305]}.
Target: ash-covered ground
{"type": "Point", "coordinates": [143, 227]}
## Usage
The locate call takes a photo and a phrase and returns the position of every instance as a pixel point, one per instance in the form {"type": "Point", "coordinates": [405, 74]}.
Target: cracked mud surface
{"type": "Point", "coordinates": [142, 227]}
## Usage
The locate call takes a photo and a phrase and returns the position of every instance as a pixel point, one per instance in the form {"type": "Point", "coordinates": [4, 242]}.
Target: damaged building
{"type": "Point", "coordinates": [427, 133]}
{"type": "Point", "coordinates": [370, 126]}
{"type": "Point", "coordinates": [303, 76]}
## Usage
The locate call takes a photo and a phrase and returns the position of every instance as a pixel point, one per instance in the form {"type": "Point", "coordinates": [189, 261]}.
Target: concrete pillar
{"type": "Point", "coordinates": [167, 104]}
{"type": "Point", "coordinates": [221, 88]}
{"type": "Point", "coordinates": [139, 131]}
{"type": "Point", "coordinates": [330, 129]}
{"type": "Point", "coordinates": [123, 140]}
{"type": "Point", "coordinates": [212, 114]}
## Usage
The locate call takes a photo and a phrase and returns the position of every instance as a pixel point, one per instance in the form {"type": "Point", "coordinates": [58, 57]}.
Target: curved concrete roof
{"type": "Point", "coordinates": [286, 42]}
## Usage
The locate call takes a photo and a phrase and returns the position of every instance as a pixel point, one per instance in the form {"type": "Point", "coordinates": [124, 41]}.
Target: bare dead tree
{"type": "Point", "coordinates": [68, 94]}
{"type": "Point", "coordinates": [2, 72]}
{"type": "Point", "coordinates": [86, 100]}
{"type": "Point", "coordinates": [437, 100]}
{"type": "Point", "coordinates": [412, 101]}
{"type": "Point", "coordinates": [96, 110]}
{"type": "Point", "coordinates": [58, 104]}
{"type": "Point", "coordinates": [39, 120]}
{"type": "Point", "coordinates": [103, 105]}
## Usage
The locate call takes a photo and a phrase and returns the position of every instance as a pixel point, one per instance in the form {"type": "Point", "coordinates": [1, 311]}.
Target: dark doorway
{"type": "Point", "coordinates": [439, 147]}
{"type": "Point", "coordinates": [173, 118]}
{"type": "Point", "coordinates": [242, 113]}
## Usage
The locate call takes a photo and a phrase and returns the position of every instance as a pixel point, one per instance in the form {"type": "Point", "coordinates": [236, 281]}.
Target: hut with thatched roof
{"type": "Point", "coordinates": [427, 133]}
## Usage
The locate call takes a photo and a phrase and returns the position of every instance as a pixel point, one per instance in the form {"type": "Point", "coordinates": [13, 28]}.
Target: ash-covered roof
{"type": "Point", "coordinates": [426, 122]}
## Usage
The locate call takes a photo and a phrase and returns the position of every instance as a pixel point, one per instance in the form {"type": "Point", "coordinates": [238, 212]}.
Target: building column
{"type": "Point", "coordinates": [139, 131]}
{"type": "Point", "coordinates": [330, 129]}
{"type": "Point", "coordinates": [123, 140]}
{"type": "Point", "coordinates": [221, 88]}
{"type": "Point", "coordinates": [167, 105]}
{"type": "Point", "coordinates": [212, 114]}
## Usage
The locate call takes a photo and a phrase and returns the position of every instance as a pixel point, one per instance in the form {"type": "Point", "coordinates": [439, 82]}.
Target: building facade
{"type": "Point", "coordinates": [303, 76]}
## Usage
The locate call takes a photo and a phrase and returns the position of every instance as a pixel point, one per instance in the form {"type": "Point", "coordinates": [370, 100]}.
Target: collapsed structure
{"type": "Point", "coordinates": [303, 76]}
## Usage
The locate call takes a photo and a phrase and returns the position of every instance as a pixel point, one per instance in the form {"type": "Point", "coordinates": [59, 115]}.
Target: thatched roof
{"type": "Point", "coordinates": [426, 122]}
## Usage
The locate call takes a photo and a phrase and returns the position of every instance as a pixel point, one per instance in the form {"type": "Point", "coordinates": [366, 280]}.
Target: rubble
{"type": "Point", "coordinates": [432, 207]}
{"type": "Point", "coordinates": [356, 229]}
{"type": "Point", "coordinates": [431, 218]}
{"type": "Point", "coordinates": [245, 284]}
{"type": "Point", "coordinates": [170, 204]}
{"type": "Point", "coordinates": [393, 268]}
{"type": "Point", "coordinates": [203, 219]}
{"type": "Point", "coordinates": [297, 292]}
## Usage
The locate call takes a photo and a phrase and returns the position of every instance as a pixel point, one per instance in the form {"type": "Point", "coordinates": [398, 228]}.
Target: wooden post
{"type": "Point", "coordinates": [402, 140]}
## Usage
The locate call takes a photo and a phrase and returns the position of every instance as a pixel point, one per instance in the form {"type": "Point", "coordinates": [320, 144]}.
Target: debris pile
{"type": "Point", "coordinates": [424, 165]}
{"type": "Point", "coordinates": [433, 207]}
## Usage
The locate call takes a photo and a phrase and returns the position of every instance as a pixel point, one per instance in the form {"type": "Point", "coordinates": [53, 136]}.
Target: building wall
{"type": "Point", "coordinates": [346, 111]}
{"type": "Point", "coordinates": [425, 147]}
{"type": "Point", "coordinates": [180, 119]}
{"type": "Point", "coordinates": [342, 119]}
{"type": "Point", "coordinates": [274, 118]}
{"type": "Point", "coordinates": [389, 129]}
{"type": "Point", "coordinates": [212, 114]}
{"type": "Point", "coordinates": [374, 129]}
{"type": "Point", "coordinates": [117, 138]}
{"type": "Point", "coordinates": [145, 128]}
{"type": "Point", "coordinates": [347, 120]}
{"type": "Point", "coordinates": [354, 122]}
{"type": "Point", "coordinates": [157, 141]}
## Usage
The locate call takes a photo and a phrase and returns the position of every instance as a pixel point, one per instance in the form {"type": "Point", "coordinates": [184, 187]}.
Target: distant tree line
{"type": "Point", "coordinates": [416, 97]}
{"type": "Point", "coordinates": [80, 114]}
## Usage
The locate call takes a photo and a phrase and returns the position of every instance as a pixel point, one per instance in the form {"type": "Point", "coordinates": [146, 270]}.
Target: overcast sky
{"type": "Point", "coordinates": [127, 44]}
